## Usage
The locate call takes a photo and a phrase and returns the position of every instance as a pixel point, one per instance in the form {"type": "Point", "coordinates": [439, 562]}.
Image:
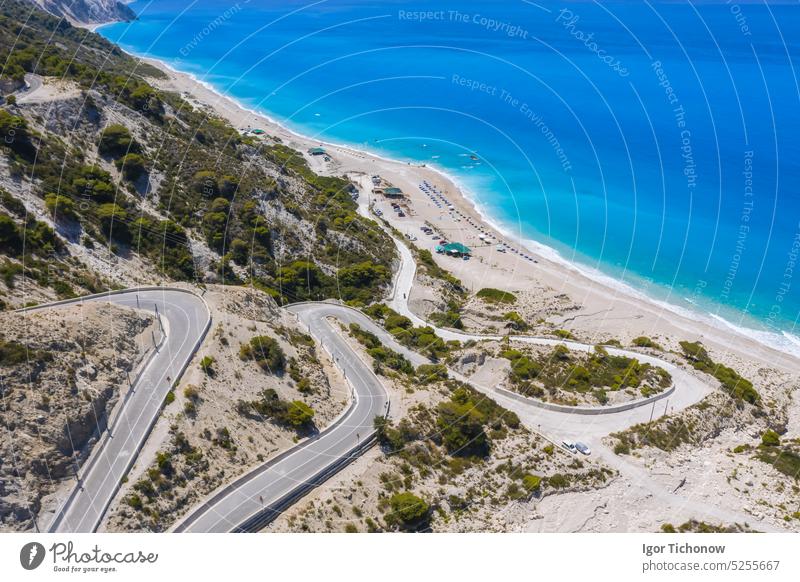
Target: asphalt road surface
{"type": "Point", "coordinates": [251, 501]}
{"type": "Point", "coordinates": [185, 319]}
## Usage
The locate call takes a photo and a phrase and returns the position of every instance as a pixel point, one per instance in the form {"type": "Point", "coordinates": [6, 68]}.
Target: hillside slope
{"type": "Point", "coordinates": [107, 181]}
{"type": "Point", "coordinates": [88, 11]}
{"type": "Point", "coordinates": [61, 374]}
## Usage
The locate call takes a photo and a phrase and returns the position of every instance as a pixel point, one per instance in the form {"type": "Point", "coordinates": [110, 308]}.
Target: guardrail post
{"type": "Point", "coordinates": [158, 317]}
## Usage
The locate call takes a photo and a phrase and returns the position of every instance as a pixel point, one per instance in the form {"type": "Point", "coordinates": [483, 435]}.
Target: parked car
{"type": "Point", "coordinates": [583, 448]}
{"type": "Point", "coordinates": [569, 445]}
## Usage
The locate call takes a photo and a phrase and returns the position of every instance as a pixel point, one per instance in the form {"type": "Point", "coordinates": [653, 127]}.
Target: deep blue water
{"type": "Point", "coordinates": [670, 164]}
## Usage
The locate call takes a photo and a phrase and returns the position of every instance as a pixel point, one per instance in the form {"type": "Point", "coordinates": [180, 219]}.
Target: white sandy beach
{"type": "Point", "coordinates": [600, 309]}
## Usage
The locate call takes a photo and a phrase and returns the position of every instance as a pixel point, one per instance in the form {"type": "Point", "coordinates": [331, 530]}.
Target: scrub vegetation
{"type": "Point", "coordinates": [560, 372]}
{"type": "Point", "coordinates": [221, 207]}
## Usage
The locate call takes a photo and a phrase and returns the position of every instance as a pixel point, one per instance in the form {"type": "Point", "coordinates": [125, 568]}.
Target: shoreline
{"type": "Point", "coordinates": [358, 161]}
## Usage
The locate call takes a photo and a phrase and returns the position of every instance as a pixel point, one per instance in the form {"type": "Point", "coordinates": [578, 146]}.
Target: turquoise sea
{"type": "Point", "coordinates": [655, 142]}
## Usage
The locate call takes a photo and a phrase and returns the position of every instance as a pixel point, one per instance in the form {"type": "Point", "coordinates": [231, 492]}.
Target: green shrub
{"type": "Point", "coordinates": [132, 166]}
{"type": "Point", "coordinates": [462, 428]}
{"type": "Point", "coordinates": [114, 222]}
{"type": "Point", "coordinates": [496, 296]}
{"type": "Point", "coordinates": [207, 365]}
{"type": "Point", "coordinates": [622, 448]}
{"type": "Point", "coordinates": [447, 319]}
{"type": "Point", "coordinates": [10, 237]}
{"type": "Point", "coordinates": [391, 359]}
{"type": "Point", "coordinates": [784, 459]}
{"type": "Point", "coordinates": [116, 141]}
{"type": "Point", "coordinates": [134, 501]}
{"type": "Point", "coordinates": [429, 373]}
{"type": "Point", "coordinates": [734, 384]}
{"type": "Point", "coordinates": [361, 282]}
{"type": "Point", "coordinates": [421, 339]}
{"type": "Point", "coordinates": [645, 342]}
{"type": "Point", "coordinates": [531, 483]}
{"type": "Point", "coordinates": [368, 339]}
{"type": "Point", "coordinates": [205, 183]}
{"type": "Point", "coordinates": [515, 321]}
{"type": "Point", "coordinates": [770, 438]}
{"type": "Point", "coordinates": [558, 481]}
{"type": "Point", "coordinates": [13, 353]}
{"type": "Point", "coordinates": [407, 510]}
{"type": "Point", "coordinates": [15, 137]}
{"type": "Point", "coordinates": [61, 208]}
{"type": "Point", "coordinates": [396, 321]}
{"type": "Point", "coordinates": [266, 352]}
{"type": "Point", "coordinates": [296, 414]}
{"type": "Point", "coordinates": [299, 414]}
{"type": "Point", "coordinates": [463, 419]}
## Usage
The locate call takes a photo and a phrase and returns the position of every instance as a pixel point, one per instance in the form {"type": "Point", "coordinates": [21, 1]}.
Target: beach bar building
{"type": "Point", "coordinates": [393, 192]}
{"type": "Point", "coordinates": [317, 151]}
{"type": "Point", "coordinates": [456, 249]}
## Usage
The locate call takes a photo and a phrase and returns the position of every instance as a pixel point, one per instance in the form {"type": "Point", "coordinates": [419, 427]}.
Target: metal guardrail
{"type": "Point", "coordinates": [596, 410]}
{"type": "Point", "coordinates": [270, 512]}
{"type": "Point", "coordinates": [267, 514]}
{"type": "Point", "coordinates": [89, 464]}
{"type": "Point", "coordinates": [220, 494]}
{"type": "Point", "coordinates": [593, 411]}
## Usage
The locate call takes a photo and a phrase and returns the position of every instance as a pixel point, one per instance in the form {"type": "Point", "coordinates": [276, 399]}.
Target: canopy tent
{"type": "Point", "coordinates": [456, 249]}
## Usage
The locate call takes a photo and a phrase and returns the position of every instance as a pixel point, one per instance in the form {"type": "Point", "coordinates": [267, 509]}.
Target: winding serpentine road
{"type": "Point", "coordinates": [185, 319]}
{"type": "Point", "coordinates": [254, 499]}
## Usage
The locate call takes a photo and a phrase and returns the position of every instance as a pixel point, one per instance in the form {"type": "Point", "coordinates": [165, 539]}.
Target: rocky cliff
{"type": "Point", "coordinates": [88, 11]}
{"type": "Point", "coordinates": [61, 374]}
